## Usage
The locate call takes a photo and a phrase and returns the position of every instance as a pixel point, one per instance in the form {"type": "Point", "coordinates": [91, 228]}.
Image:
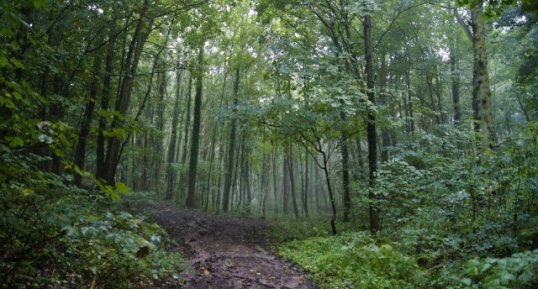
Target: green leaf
{"type": "Point", "coordinates": [121, 188]}
{"type": "Point", "coordinates": [15, 141]}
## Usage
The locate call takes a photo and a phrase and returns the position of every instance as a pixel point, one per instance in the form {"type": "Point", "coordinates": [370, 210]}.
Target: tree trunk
{"type": "Point", "coordinates": [158, 141]}
{"type": "Point", "coordinates": [306, 187]}
{"type": "Point", "coordinates": [285, 185]}
{"type": "Point", "coordinates": [371, 126]}
{"type": "Point", "coordinates": [345, 176]}
{"type": "Point", "coordinates": [173, 138]}
{"type": "Point", "coordinates": [384, 98]}
{"type": "Point", "coordinates": [195, 139]}
{"type": "Point", "coordinates": [275, 182]}
{"type": "Point", "coordinates": [455, 79]}
{"type": "Point", "coordinates": [292, 181]}
{"type": "Point", "coordinates": [187, 131]}
{"type": "Point", "coordinates": [331, 195]}
{"type": "Point", "coordinates": [122, 102]}
{"type": "Point", "coordinates": [105, 101]}
{"type": "Point", "coordinates": [481, 89]}
{"type": "Point", "coordinates": [231, 147]}
{"type": "Point", "coordinates": [80, 151]}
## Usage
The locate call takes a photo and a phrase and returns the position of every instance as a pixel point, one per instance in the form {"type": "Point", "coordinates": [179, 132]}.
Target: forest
{"type": "Point", "coordinates": [269, 144]}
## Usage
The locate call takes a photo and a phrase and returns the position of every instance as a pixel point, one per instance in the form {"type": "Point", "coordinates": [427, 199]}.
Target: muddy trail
{"type": "Point", "coordinates": [226, 252]}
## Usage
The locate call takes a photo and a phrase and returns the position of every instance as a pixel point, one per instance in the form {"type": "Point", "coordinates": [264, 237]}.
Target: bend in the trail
{"type": "Point", "coordinates": [227, 252]}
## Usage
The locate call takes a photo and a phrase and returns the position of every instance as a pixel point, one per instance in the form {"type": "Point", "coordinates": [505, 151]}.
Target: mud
{"type": "Point", "coordinates": [226, 252]}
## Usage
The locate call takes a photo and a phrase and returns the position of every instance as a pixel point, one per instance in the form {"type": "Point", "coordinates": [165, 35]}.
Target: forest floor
{"type": "Point", "coordinates": [227, 252]}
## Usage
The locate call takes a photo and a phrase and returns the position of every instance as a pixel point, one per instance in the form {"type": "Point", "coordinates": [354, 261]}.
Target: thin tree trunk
{"type": "Point", "coordinates": [331, 195]}
{"type": "Point", "coordinates": [385, 132]}
{"type": "Point", "coordinates": [158, 144]}
{"type": "Point", "coordinates": [454, 77]}
{"type": "Point", "coordinates": [173, 138]}
{"type": "Point", "coordinates": [292, 181]}
{"type": "Point", "coordinates": [275, 183]}
{"type": "Point", "coordinates": [371, 126]}
{"type": "Point", "coordinates": [195, 140]}
{"type": "Point", "coordinates": [231, 147]}
{"type": "Point", "coordinates": [184, 154]}
{"type": "Point", "coordinates": [285, 185]}
{"type": "Point", "coordinates": [345, 176]}
{"type": "Point", "coordinates": [306, 187]}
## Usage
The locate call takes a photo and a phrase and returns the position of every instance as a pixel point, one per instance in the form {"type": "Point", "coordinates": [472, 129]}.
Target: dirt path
{"type": "Point", "coordinates": [227, 252]}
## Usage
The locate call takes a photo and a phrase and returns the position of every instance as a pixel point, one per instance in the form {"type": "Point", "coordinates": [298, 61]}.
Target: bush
{"type": "Point", "coordinates": [54, 235]}
{"type": "Point", "coordinates": [517, 271]}
{"type": "Point", "coordinates": [353, 260]}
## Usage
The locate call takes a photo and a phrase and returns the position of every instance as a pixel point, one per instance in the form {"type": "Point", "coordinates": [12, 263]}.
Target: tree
{"type": "Point", "coordinates": [481, 103]}
{"type": "Point", "coordinates": [195, 138]}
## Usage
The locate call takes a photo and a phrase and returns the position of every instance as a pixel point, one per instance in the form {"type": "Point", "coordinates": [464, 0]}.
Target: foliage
{"type": "Point", "coordinates": [287, 230]}
{"type": "Point", "coordinates": [54, 234]}
{"type": "Point", "coordinates": [516, 271]}
{"type": "Point", "coordinates": [354, 260]}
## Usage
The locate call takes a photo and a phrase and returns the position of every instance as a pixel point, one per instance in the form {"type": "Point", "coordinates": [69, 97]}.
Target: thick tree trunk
{"type": "Point", "coordinates": [80, 151]}
{"type": "Point", "coordinates": [195, 139]}
{"type": "Point", "coordinates": [140, 35]}
{"type": "Point", "coordinates": [105, 102]}
{"type": "Point", "coordinates": [481, 89]}
{"type": "Point", "coordinates": [371, 126]}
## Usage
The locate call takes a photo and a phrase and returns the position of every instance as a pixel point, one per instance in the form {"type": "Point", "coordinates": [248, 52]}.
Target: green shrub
{"type": "Point", "coordinates": [353, 260]}
{"type": "Point", "coordinates": [519, 271]}
{"type": "Point", "coordinates": [54, 235]}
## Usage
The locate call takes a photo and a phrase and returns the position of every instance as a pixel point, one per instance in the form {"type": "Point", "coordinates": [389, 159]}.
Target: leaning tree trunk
{"type": "Point", "coordinates": [140, 36]}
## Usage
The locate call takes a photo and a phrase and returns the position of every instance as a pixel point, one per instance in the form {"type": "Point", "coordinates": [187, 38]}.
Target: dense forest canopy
{"type": "Point", "coordinates": [415, 121]}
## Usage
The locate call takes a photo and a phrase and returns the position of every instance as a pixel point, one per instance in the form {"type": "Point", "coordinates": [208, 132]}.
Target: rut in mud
{"type": "Point", "coordinates": [227, 252]}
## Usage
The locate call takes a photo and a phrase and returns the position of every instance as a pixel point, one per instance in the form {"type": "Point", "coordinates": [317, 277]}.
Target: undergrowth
{"type": "Point", "coordinates": [356, 260]}
{"type": "Point", "coordinates": [55, 235]}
